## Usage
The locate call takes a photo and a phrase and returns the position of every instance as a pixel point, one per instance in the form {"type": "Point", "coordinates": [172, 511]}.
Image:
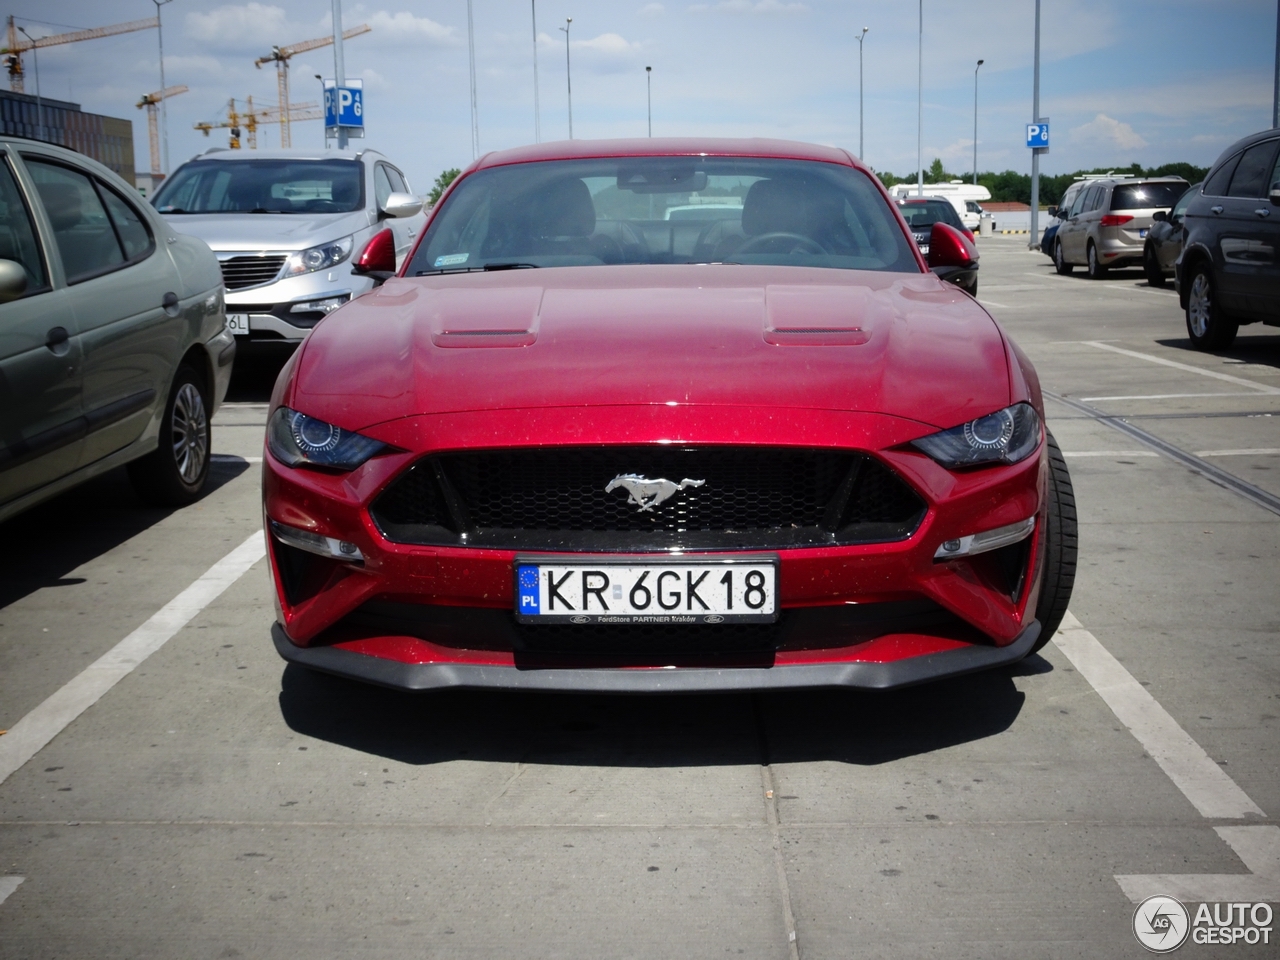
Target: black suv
{"type": "Point", "coordinates": [1229, 270]}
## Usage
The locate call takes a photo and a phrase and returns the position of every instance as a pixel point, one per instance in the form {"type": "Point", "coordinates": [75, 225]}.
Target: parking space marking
{"type": "Point", "coordinates": [29, 735]}
{"type": "Point", "coordinates": [1258, 847]}
{"type": "Point", "coordinates": [1257, 452]}
{"type": "Point", "coordinates": [8, 885]}
{"type": "Point", "coordinates": [1167, 396]}
{"type": "Point", "coordinates": [1203, 782]}
{"type": "Point", "coordinates": [1109, 453]}
{"type": "Point", "coordinates": [1150, 358]}
{"type": "Point", "coordinates": [232, 458]}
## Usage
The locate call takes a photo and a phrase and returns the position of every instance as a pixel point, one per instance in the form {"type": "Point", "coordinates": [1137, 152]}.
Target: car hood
{"type": "Point", "coordinates": [267, 231]}
{"type": "Point", "coordinates": [901, 344]}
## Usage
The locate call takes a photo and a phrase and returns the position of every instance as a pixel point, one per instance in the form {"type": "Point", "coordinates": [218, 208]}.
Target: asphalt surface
{"type": "Point", "coordinates": [205, 800]}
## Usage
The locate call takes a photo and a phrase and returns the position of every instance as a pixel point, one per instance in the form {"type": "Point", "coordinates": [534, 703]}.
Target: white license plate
{"type": "Point", "coordinates": [1142, 232]}
{"type": "Point", "coordinates": [238, 323]}
{"type": "Point", "coordinates": [629, 590]}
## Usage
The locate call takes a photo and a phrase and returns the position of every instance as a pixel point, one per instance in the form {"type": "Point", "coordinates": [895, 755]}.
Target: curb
{"type": "Point", "coordinates": [1013, 231]}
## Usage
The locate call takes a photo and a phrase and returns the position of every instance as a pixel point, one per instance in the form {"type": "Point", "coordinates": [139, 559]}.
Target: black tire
{"type": "Point", "coordinates": [1207, 326]}
{"type": "Point", "coordinates": [175, 473]}
{"type": "Point", "coordinates": [1151, 267]}
{"type": "Point", "coordinates": [1095, 269]}
{"type": "Point", "coordinates": [1060, 547]}
{"type": "Point", "coordinates": [1060, 261]}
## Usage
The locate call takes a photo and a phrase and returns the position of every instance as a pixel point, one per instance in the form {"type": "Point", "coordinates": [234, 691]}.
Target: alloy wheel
{"type": "Point", "coordinates": [1200, 304]}
{"type": "Point", "coordinates": [189, 429]}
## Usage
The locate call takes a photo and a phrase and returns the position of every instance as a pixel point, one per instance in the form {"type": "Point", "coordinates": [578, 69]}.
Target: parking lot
{"type": "Point", "coordinates": [169, 788]}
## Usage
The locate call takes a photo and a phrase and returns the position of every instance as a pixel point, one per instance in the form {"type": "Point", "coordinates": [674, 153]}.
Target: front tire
{"type": "Point", "coordinates": [1207, 326]}
{"type": "Point", "coordinates": [1060, 261]}
{"type": "Point", "coordinates": [1096, 270]}
{"type": "Point", "coordinates": [175, 473]}
{"type": "Point", "coordinates": [1151, 267]}
{"type": "Point", "coordinates": [1061, 543]}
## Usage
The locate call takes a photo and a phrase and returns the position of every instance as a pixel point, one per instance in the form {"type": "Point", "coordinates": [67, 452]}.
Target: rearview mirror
{"type": "Point", "coordinates": [401, 205]}
{"type": "Point", "coordinates": [378, 258]}
{"type": "Point", "coordinates": [1160, 216]}
{"type": "Point", "coordinates": [1053, 211]}
{"type": "Point", "coordinates": [952, 255]}
{"type": "Point", "coordinates": [13, 280]}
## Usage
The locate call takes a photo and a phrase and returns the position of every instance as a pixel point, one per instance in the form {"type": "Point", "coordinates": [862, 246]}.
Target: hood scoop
{"type": "Point", "coordinates": [496, 317]}
{"type": "Point", "coordinates": [812, 317]}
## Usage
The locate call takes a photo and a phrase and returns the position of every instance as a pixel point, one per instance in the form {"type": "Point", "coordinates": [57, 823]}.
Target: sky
{"type": "Point", "coordinates": [1177, 80]}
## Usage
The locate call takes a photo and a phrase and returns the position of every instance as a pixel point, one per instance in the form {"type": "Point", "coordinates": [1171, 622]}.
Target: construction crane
{"type": "Point", "coordinates": [247, 120]}
{"type": "Point", "coordinates": [149, 101]}
{"type": "Point", "coordinates": [280, 57]}
{"type": "Point", "coordinates": [18, 45]}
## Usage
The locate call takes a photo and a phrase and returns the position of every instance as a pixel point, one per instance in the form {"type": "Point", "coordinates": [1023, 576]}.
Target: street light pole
{"type": "Point", "coordinates": [35, 53]}
{"type": "Point", "coordinates": [568, 71]}
{"type": "Point", "coordinates": [321, 79]}
{"type": "Point", "coordinates": [862, 36]}
{"type": "Point", "coordinates": [1275, 103]}
{"type": "Point", "coordinates": [339, 70]}
{"type": "Point", "coordinates": [1035, 153]}
{"type": "Point", "coordinates": [975, 121]}
{"type": "Point", "coordinates": [537, 111]}
{"type": "Point", "coordinates": [920, 108]}
{"type": "Point", "coordinates": [164, 101]}
{"type": "Point", "coordinates": [648, 84]}
{"type": "Point", "coordinates": [471, 49]}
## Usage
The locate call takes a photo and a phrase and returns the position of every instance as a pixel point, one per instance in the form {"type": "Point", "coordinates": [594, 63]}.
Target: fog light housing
{"type": "Point", "coordinates": [986, 541]}
{"type": "Point", "coordinates": [322, 546]}
{"type": "Point", "coordinates": [325, 305]}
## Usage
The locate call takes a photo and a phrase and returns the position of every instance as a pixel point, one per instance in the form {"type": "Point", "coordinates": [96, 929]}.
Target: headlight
{"type": "Point", "coordinates": [1006, 436]}
{"type": "Point", "coordinates": [318, 258]}
{"type": "Point", "coordinates": [294, 438]}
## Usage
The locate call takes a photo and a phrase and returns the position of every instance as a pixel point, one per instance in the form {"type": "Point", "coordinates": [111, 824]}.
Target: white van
{"type": "Point", "coordinates": [963, 196]}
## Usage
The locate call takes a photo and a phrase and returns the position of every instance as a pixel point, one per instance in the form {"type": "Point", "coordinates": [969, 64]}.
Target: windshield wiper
{"type": "Point", "coordinates": [510, 266]}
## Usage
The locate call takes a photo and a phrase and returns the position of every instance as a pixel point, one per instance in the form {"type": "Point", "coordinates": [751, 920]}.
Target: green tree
{"type": "Point", "coordinates": [937, 173]}
{"type": "Point", "coordinates": [442, 183]}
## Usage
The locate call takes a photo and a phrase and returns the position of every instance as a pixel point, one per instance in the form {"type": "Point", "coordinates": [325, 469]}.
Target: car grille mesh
{"type": "Point", "coordinates": [241, 272]}
{"type": "Point", "coordinates": [554, 498]}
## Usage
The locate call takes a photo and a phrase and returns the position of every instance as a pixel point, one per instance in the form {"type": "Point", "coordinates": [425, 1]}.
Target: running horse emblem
{"type": "Point", "coordinates": [647, 494]}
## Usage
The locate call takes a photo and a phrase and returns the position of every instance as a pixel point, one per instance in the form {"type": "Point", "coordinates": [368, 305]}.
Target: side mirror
{"type": "Point", "coordinates": [400, 205]}
{"type": "Point", "coordinates": [13, 280]}
{"type": "Point", "coordinates": [378, 258]}
{"type": "Point", "coordinates": [1052, 210]}
{"type": "Point", "coordinates": [1160, 216]}
{"type": "Point", "coordinates": [952, 255]}
{"type": "Point", "coordinates": [1275, 193]}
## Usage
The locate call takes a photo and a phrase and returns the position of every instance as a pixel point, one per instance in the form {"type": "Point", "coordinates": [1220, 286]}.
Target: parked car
{"type": "Point", "coordinates": [962, 196]}
{"type": "Point", "coordinates": [1164, 240]}
{"type": "Point", "coordinates": [775, 454]}
{"type": "Point", "coordinates": [1229, 270]}
{"type": "Point", "coordinates": [284, 224]}
{"type": "Point", "coordinates": [921, 213]}
{"type": "Point", "coordinates": [1108, 221]}
{"type": "Point", "coordinates": [114, 347]}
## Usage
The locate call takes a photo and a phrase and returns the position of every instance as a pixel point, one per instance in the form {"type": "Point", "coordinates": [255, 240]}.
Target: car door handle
{"type": "Point", "coordinates": [170, 303]}
{"type": "Point", "coordinates": [1217, 209]}
{"type": "Point", "coordinates": [56, 337]}
{"type": "Point", "coordinates": [1263, 211]}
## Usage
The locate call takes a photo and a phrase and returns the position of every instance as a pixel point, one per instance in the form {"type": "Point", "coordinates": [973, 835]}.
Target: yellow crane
{"type": "Point", "coordinates": [280, 57]}
{"type": "Point", "coordinates": [248, 119]}
{"type": "Point", "coordinates": [18, 45]}
{"type": "Point", "coordinates": [149, 101]}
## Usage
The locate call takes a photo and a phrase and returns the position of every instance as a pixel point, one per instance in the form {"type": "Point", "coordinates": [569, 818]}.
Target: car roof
{"type": "Point", "coordinates": [1248, 141]}
{"type": "Point", "coordinates": [222, 153]}
{"type": "Point", "coordinates": [668, 146]}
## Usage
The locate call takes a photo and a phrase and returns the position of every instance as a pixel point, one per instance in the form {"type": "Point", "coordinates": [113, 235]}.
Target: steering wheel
{"type": "Point", "coordinates": [801, 243]}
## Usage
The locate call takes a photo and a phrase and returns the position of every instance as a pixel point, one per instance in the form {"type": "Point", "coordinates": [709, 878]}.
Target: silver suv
{"type": "Point", "coordinates": [1108, 221]}
{"type": "Point", "coordinates": [286, 225]}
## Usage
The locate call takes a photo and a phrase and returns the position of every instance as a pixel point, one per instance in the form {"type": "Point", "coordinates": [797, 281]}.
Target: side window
{"type": "Point", "coordinates": [86, 240]}
{"type": "Point", "coordinates": [1275, 175]}
{"type": "Point", "coordinates": [1085, 203]}
{"type": "Point", "coordinates": [133, 233]}
{"type": "Point", "coordinates": [398, 182]}
{"type": "Point", "coordinates": [1250, 178]}
{"type": "Point", "coordinates": [1099, 198]}
{"type": "Point", "coordinates": [1180, 208]}
{"type": "Point", "coordinates": [1216, 185]}
{"type": "Point", "coordinates": [18, 235]}
{"type": "Point", "coordinates": [381, 184]}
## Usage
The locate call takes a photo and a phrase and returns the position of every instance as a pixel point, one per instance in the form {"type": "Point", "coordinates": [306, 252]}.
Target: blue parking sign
{"type": "Point", "coordinates": [1038, 136]}
{"type": "Point", "coordinates": [343, 107]}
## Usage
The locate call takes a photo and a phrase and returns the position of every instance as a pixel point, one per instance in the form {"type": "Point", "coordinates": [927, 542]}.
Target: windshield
{"type": "Point", "coordinates": [664, 210]}
{"type": "Point", "coordinates": [925, 213]}
{"type": "Point", "coordinates": [264, 186]}
{"type": "Point", "coordinates": [1143, 196]}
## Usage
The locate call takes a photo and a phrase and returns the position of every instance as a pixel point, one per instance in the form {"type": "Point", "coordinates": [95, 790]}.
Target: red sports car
{"type": "Point", "coordinates": [576, 443]}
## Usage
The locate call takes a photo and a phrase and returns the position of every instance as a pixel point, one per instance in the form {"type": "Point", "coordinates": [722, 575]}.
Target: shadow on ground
{"type": "Point", "coordinates": [256, 367]}
{"type": "Point", "coordinates": [653, 731]}
{"type": "Point", "coordinates": [1259, 345]}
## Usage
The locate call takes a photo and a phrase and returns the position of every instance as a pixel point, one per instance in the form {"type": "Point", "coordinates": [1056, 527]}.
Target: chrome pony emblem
{"type": "Point", "coordinates": [647, 494]}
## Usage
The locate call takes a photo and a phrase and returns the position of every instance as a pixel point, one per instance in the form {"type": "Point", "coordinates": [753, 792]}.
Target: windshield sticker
{"type": "Point", "coordinates": [452, 260]}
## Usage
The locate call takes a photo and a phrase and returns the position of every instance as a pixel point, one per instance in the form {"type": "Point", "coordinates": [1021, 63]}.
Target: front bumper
{"type": "Point", "coordinates": [279, 310]}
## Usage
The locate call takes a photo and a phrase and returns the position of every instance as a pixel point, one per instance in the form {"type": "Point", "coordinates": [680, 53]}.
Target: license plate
{"type": "Point", "coordinates": [629, 590]}
{"type": "Point", "coordinates": [238, 323]}
{"type": "Point", "coordinates": [1142, 232]}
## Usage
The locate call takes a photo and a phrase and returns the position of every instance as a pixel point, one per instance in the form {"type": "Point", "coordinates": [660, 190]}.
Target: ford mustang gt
{"type": "Point", "coordinates": [574, 443]}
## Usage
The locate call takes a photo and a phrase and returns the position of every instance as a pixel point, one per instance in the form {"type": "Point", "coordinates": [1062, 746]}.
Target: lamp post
{"type": "Point", "coordinates": [39, 103]}
{"type": "Point", "coordinates": [537, 111]}
{"type": "Point", "coordinates": [975, 121]}
{"type": "Point", "coordinates": [862, 36]}
{"type": "Point", "coordinates": [322, 132]}
{"type": "Point", "coordinates": [648, 83]}
{"type": "Point", "coordinates": [471, 52]}
{"type": "Point", "coordinates": [164, 101]}
{"type": "Point", "coordinates": [920, 108]}
{"type": "Point", "coordinates": [568, 71]}
{"type": "Point", "coordinates": [1034, 239]}
{"type": "Point", "coordinates": [339, 70]}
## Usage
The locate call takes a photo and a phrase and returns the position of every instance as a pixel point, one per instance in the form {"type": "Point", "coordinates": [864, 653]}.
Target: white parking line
{"type": "Point", "coordinates": [29, 735]}
{"type": "Point", "coordinates": [1256, 452]}
{"type": "Point", "coordinates": [1109, 453]}
{"type": "Point", "coordinates": [1260, 387]}
{"type": "Point", "coordinates": [8, 885]}
{"type": "Point", "coordinates": [1167, 396]}
{"type": "Point", "coordinates": [232, 458]}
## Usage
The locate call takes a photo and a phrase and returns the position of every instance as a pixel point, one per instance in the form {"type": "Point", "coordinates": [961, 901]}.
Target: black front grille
{"type": "Point", "coordinates": [554, 498]}
{"type": "Point", "coordinates": [241, 272]}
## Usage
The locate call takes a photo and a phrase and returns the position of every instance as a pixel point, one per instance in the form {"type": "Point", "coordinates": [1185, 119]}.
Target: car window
{"type": "Point", "coordinates": [1216, 185]}
{"type": "Point", "coordinates": [381, 185]}
{"type": "Point", "coordinates": [926, 213]}
{"type": "Point", "coordinates": [1180, 208]}
{"type": "Point", "coordinates": [1275, 175]}
{"type": "Point", "coordinates": [263, 186]}
{"type": "Point", "coordinates": [613, 210]}
{"type": "Point", "coordinates": [17, 233]}
{"type": "Point", "coordinates": [1099, 198]}
{"type": "Point", "coordinates": [1145, 196]}
{"type": "Point", "coordinates": [133, 233]}
{"type": "Point", "coordinates": [398, 183]}
{"type": "Point", "coordinates": [1250, 177]}
{"type": "Point", "coordinates": [86, 240]}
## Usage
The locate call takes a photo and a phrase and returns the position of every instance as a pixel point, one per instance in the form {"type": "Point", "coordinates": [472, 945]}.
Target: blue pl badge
{"type": "Point", "coordinates": [527, 585]}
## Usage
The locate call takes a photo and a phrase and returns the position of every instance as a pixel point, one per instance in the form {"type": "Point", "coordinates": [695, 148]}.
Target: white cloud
{"type": "Point", "coordinates": [652, 10]}
{"type": "Point", "coordinates": [746, 6]}
{"type": "Point", "coordinates": [1104, 131]}
{"type": "Point", "coordinates": [405, 27]}
{"type": "Point", "coordinates": [232, 26]}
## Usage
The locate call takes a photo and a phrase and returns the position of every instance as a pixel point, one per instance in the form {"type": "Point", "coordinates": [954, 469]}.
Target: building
{"type": "Point", "coordinates": [109, 140]}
